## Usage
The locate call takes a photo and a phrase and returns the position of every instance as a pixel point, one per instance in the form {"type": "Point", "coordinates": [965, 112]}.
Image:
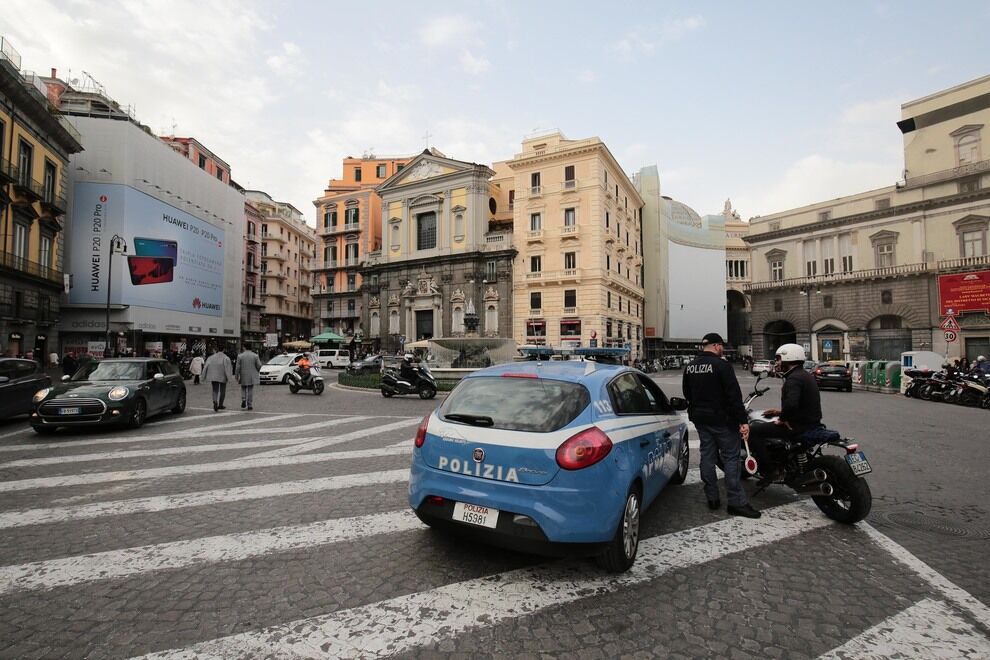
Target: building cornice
{"type": "Point", "coordinates": [433, 262]}
{"type": "Point", "coordinates": [893, 211]}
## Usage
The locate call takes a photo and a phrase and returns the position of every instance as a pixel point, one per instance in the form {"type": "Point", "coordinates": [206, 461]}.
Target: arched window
{"type": "Point", "coordinates": [375, 323]}
{"type": "Point", "coordinates": [459, 227]}
{"type": "Point", "coordinates": [393, 322]}
{"type": "Point", "coordinates": [457, 319]}
{"type": "Point", "coordinates": [491, 318]}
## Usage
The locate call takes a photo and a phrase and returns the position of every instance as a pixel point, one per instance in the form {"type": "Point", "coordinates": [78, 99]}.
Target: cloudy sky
{"type": "Point", "coordinates": [774, 104]}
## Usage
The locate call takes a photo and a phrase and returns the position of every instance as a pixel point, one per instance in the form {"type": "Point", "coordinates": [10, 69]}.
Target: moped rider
{"type": "Point", "coordinates": [302, 368]}
{"type": "Point", "coordinates": [407, 371]}
{"type": "Point", "coordinates": [800, 405]}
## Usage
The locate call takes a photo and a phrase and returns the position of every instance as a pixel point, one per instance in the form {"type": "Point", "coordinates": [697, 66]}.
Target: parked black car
{"type": "Point", "coordinates": [833, 374]}
{"type": "Point", "coordinates": [19, 381]}
{"type": "Point", "coordinates": [123, 391]}
{"type": "Point", "coordinates": [369, 365]}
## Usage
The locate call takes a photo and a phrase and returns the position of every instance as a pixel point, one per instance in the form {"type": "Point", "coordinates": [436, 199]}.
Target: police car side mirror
{"type": "Point", "coordinates": [677, 403]}
{"type": "Point", "coordinates": [66, 378]}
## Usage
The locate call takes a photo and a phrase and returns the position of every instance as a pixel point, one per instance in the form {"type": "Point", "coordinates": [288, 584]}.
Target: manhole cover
{"type": "Point", "coordinates": [932, 524]}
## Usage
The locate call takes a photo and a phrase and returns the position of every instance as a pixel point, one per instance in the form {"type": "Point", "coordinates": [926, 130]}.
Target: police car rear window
{"type": "Point", "coordinates": [519, 404]}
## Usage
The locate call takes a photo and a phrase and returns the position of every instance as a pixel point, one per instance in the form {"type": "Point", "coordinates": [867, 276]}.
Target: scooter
{"type": "Point", "coordinates": [423, 384]}
{"type": "Point", "coordinates": [314, 382]}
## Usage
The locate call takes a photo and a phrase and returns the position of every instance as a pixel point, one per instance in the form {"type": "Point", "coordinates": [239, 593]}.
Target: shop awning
{"type": "Point", "coordinates": [326, 336]}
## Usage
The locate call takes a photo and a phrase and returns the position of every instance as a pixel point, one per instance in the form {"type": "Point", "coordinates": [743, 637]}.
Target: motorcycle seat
{"type": "Point", "coordinates": [820, 435]}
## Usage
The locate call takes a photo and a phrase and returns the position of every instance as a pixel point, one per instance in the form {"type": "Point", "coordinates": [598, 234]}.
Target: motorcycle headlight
{"type": "Point", "coordinates": [118, 393]}
{"type": "Point", "coordinates": [41, 394]}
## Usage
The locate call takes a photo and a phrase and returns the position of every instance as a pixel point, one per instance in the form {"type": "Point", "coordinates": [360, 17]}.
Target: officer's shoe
{"type": "Point", "coordinates": [746, 510]}
{"type": "Point", "coordinates": [714, 504]}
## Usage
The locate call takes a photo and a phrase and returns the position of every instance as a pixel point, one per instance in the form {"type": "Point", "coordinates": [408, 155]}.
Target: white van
{"type": "Point", "coordinates": [333, 358]}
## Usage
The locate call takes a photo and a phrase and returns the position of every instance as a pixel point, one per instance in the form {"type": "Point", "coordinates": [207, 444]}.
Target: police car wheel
{"type": "Point", "coordinates": [683, 463]}
{"type": "Point", "coordinates": [621, 552]}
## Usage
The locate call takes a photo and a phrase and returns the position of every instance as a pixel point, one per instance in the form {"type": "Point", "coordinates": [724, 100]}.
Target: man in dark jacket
{"type": "Point", "coordinates": [715, 406]}
{"type": "Point", "coordinates": [800, 405]}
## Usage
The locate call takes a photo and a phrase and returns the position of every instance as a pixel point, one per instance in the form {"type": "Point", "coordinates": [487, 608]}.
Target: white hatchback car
{"type": "Point", "coordinates": [277, 369]}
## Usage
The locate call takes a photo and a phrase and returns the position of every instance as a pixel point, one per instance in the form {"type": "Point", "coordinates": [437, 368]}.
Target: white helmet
{"type": "Point", "coordinates": [980, 358]}
{"type": "Point", "coordinates": [408, 356]}
{"type": "Point", "coordinates": [791, 353]}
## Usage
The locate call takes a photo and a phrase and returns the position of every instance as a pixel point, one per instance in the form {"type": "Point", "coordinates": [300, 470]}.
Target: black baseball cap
{"type": "Point", "coordinates": [712, 338]}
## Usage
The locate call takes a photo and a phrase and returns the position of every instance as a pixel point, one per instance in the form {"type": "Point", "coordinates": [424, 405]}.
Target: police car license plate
{"type": "Point", "coordinates": [858, 463]}
{"type": "Point", "coordinates": [473, 514]}
{"type": "Point", "coordinates": [68, 411]}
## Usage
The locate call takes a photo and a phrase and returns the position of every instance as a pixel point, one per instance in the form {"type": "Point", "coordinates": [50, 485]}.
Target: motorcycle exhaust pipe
{"type": "Point", "coordinates": [816, 489]}
{"type": "Point", "coordinates": [809, 478]}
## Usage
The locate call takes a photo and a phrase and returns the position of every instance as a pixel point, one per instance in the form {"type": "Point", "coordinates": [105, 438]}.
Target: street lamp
{"type": "Point", "coordinates": [806, 291]}
{"type": "Point", "coordinates": [117, 244]}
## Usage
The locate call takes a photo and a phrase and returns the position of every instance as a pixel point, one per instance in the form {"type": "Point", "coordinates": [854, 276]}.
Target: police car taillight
{"type": "Point", "coordinates": [421, 431]}
{"type": "Point", "coordinates": [584, 449]}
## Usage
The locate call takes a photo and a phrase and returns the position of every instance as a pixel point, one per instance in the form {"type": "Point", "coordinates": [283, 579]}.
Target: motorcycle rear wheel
{"type": "Point", "coordinates": [852, 499]}
{"type": "Point", "coordinates": [386, 393]}
{"type": "Point", "coordinates": [925, 392]}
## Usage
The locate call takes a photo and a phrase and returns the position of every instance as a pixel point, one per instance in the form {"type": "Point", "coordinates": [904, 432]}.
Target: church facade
{"type": "Point", "coordinates": [443, 255]}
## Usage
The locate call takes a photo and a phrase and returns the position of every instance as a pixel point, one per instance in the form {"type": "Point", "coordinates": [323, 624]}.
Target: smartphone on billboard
{"type": "Point", "coordinates": [150, 270]}
{"type": "Point", "coordinates": [156, 247]}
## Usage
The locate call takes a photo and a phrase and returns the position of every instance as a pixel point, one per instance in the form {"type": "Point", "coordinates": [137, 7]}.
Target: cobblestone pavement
{"type": "Point", "coordinates": [285, 532]}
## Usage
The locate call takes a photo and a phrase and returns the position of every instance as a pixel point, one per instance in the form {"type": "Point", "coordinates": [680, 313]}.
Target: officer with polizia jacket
{"type": "Point", "coordinates": [716, 408]}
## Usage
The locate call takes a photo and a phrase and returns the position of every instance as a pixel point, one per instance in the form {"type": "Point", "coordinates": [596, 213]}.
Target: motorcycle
{"type": "Point", "coordinates": [835, 483]}
{"type": "Point", "coordinates": [423, 384]}
{"type": "Point", "coordinates": [919, 378]}
{"type": "Point", "coordinates": [314, 382]}
{"type": "Point", "coordinates": [972, 390]}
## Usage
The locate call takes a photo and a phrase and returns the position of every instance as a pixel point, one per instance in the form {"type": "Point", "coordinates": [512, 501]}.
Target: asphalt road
{"type": "Point", "coordinates": [284, 532]}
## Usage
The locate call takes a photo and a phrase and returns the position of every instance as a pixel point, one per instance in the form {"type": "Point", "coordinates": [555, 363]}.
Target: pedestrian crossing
{"type": "Point", "coordinates": [198, 470]}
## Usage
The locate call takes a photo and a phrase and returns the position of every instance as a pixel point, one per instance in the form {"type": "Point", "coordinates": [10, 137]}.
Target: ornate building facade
{"type": "Point", "coordinates": [443, 252]}
{"type": "Point", "coordinates": [861, 277]}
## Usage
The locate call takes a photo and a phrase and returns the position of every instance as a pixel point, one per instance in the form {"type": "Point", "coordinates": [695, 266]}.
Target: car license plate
{"type": "Point", "coordinates": [473, 514]}
{"type": "Point", "coordinates": [835, 375]}
{"type": "Point", "coordinates": [858, 463]}
{"type": "Point", "coordinates": [68, 411]}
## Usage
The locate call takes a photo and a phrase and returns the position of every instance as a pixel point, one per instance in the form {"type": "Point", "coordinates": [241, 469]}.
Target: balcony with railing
{"type": "Point", "coordinates": [534, 236]}
{"type": "Point", "coordinates": [497, 240]}
{"type": "Point", "coordinates": [569, 231]}
{"type": "Point", "coordinates": [252, 237]}
{"type": "Point", "coordinates": [919, 268]}
{"type": "Point", "coordinates": [569, 185]}
{"type": "Point", "coordinates": [269, 236]}
{"type": "Point", "coordinates": [8, 171]}
{"type": "Point", "coordinates": [14, 263]}
{"type": "Point", "coordinates": [352, 262]}
{"type": "Point", "coordinates": [959, 172]}
{"type": "Point", "coordinates": [535, 191]}
{"type": "Point", "coordinates": [31, 190]}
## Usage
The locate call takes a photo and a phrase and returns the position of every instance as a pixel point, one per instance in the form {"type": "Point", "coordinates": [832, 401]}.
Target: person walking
{"type": "Point", "coordinates": [218, 372]}
{"type": "Point", "coordinates": [196, 368]}
{"type": "Point", "coordinates": [716, 408]}
{"type": "Point", "coordinates": [69, 364]}
{"type": "Point", "coordinates": [248, 372]}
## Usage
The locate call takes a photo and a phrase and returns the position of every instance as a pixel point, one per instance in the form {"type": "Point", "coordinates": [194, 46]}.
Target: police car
{"type": "Point", "coordinates": [557, 458]}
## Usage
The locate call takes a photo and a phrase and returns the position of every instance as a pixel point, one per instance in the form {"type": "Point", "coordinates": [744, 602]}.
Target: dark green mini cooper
{"type": "Point", "coordinates": [121, 391]}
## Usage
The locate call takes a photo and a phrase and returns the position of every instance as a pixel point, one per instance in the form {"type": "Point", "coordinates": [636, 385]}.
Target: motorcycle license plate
{"type": "Point", "coordinates": [68, 411]}
{"type": "Point", "coordinates": [473, 514]}
{"type": "Point", "coordinates": [858, 463]}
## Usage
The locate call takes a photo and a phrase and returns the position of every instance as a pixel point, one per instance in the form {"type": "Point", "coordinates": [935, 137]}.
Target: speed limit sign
{"type": "Point", "coordinates": [950, 335]}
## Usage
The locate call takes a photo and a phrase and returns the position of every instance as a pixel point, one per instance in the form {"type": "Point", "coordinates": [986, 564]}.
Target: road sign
{"type": "Point", "coordinates": [402, 340]}
{"type": "Point", "coordinates": [950, 335]}
{"type": "Point", "coordinates": [827, 345]}
{"type": "Point", "coordinates": [950, 324]}
{"type": "Point", "coordinates": [593, 343]}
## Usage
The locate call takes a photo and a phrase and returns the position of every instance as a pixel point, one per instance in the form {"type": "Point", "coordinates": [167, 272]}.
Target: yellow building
{"type": "Point", "coordinates": [862, 276]}
{"type": "Point", "coordinates": [577, 279]}
{"type": "Point", "coordinates": [288, 257]}
{"type": "Point", "coordinates": [35, 144]}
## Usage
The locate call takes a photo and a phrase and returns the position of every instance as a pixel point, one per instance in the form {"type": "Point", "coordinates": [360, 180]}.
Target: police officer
{"type": "Point", "coordinates": [715, 406]}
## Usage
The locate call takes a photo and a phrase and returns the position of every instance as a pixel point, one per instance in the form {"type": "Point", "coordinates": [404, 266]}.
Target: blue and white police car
{"type": "Point", "coordinates": [556, 458]}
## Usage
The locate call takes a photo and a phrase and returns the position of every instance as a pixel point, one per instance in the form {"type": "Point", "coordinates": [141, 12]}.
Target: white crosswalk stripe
{"type": "Point", "coordinates": [229, 547]}
{"type": "Point", "coordinates": [406, 622]}
{"type": "Point", "coordinates": [202, 468]}
{"type": "Point", "coordinates": [927, 629]}
{"type": "Point", "coordinates": [203, 498]}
